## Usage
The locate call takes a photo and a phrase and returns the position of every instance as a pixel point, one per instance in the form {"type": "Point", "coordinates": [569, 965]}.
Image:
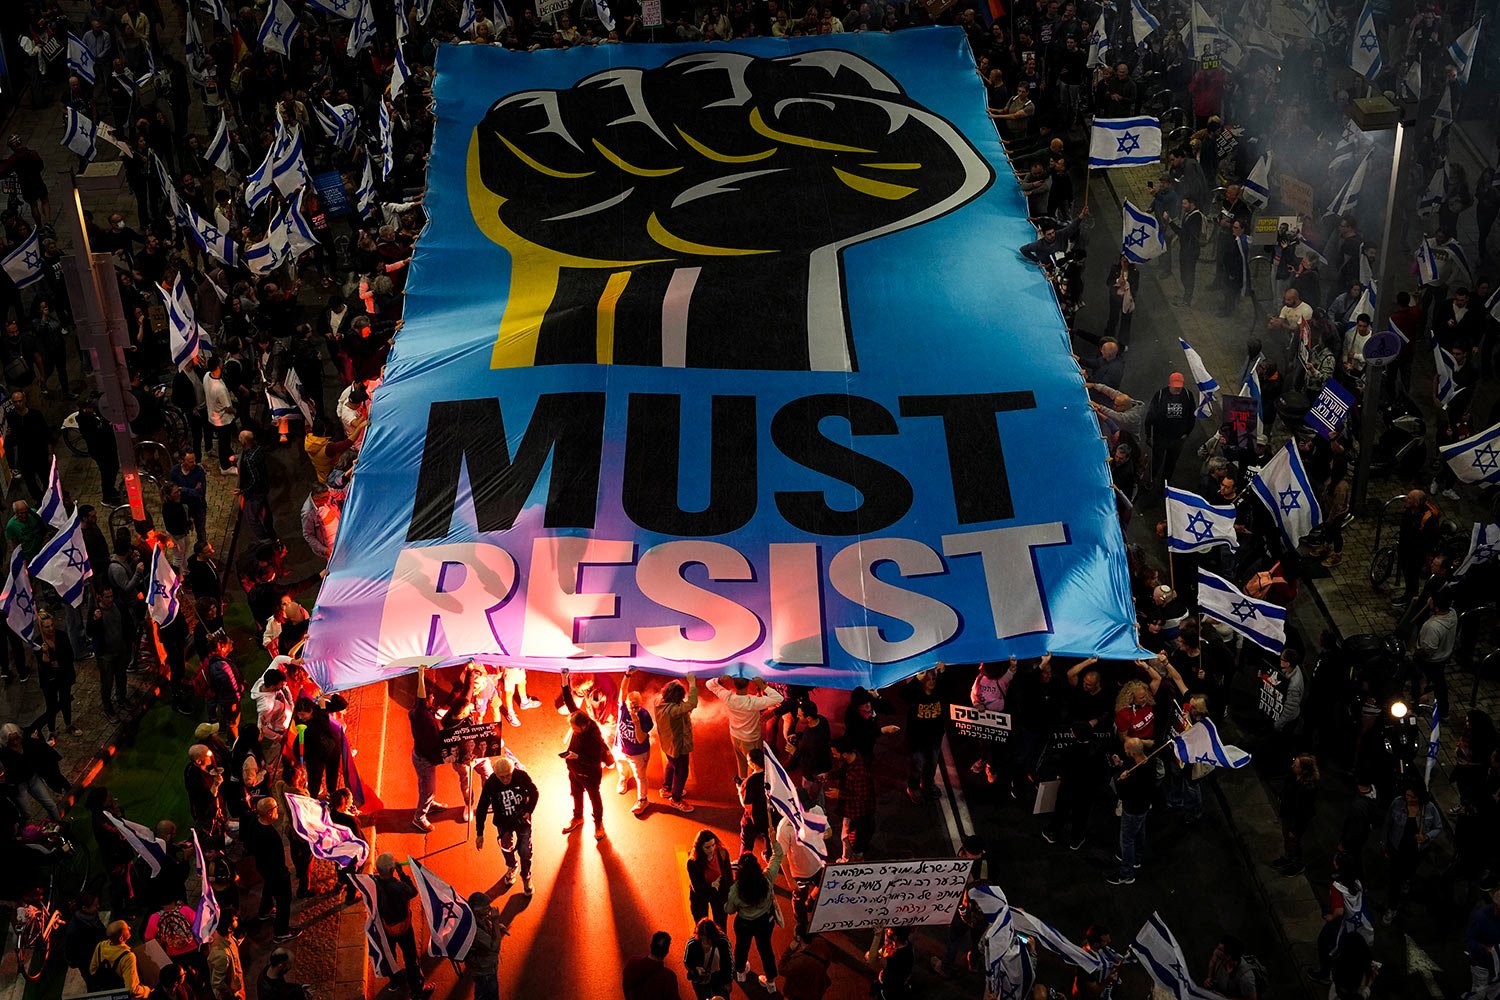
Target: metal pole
{"type": "Point", "coordinates": [1391, 258]}
{"type": "Point", "coordinates": [100, 320]}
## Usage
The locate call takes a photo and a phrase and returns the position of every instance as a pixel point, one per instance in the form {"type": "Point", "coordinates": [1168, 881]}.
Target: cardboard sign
{"type": "Point", "coordinates": [890, 894]}
{"type": "Point", "coordinates": [651, 13]}
{"type": "Point", "coordinates": [550, 8]}
{"type": "Point", "coordinates": [981, 725]}
{"type": "Point", "coordinates": [1293, 193]}
{"type": "Point", "coordinates": [471, 741]}
{"type": "Point", "coordinates": [1241, 413]}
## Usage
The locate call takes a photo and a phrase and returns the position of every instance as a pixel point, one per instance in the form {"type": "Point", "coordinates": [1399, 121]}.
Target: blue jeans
{"type": "Point", "coordinates": [513, 843]}
{"type": "Point", "coordinates": [1132, 841]}
{"type": "Point", "coordinates": [1184, 793]}
{"type": "Point", "coordinates": [426, 785]}
{"type": "Point", "coordinates": [922, 774]}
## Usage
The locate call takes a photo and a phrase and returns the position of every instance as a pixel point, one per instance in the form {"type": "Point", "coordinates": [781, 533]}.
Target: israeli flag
{"type": "Point", "coordinates": [24, 263]}
{"type": "Point", "coordinates": [1259, 38]}
{"type": "Point", "coordinates": [329, 841]}
{"type": "Point", "coordinates": [606, 16]}
{"type": "Point", "coordinates": [182, 327]}
{"type": "Point", "coordinates": [219, 10]}
{"type": "Point", "coordinates": [399, 73]}
{"type": "Point", "coordinates": [1484, 545]}
{"type": "Point", "coordinates": [1437, 191]}
{"type": "Point", "coordinates": [78, 133]}
{"type": "Point", "coordinates": [467, 16]}
{"type": "Point", "coordinates": [1348, 197]}
{"type": "Point", "coordinates": [80, 59]}
{"type": "Point", "coordinates": [338, 8]}
{"type": "Point", "coordinates": [218, 152]}
{"type": "Point", "coordinates": [403, 26]}
{"type": "Point", "coordinates": [502, 18]}
{"type": "Point", "coordinates": [783, 795]}
{"type": "Point", "coordinates": [206, 913]}
{"type": "Point", "coordinates": [141, 840]}
{"type": "Point", "coordinates": [1492, 305]}
{"type": "Point", "coordinates": [1364, 307]}
{"type": "Point", "coordinates": [1463, 271]}
{"type": "Point", "coordinates": [279, 28]}
{"type": "Point", "coordinates": [1200, 744]}
{"type": "Point", "coordinates": [1124, 142]}
{"type": "Point", "coordinates": [51, 509]}
{"type": "Point", "coordinates": [1283, 486]}
{"type": "Point", "coordinates": [364, 197]}
{"type": "Point", "coordinates": [192, 43]}
{"type": "Point", "coordinates": [1203, 32]}
{"type": "Point", "coordinates": [340, 122]}
{"type": "Point", "coordinates": [1256, 187]}
{"type": "Point", "coordinates": [1195, 525]}
{"type": "Point", "coordinates": [1098, 45]}
{"type": "Point", "coordinates": [300, 237]}
{"type": "Point", "coordinates": [17, 600]}
{"type": "Point", "coordinates": [1475, 459]}
{"type": "Point", "coordinates": [1352, 142]}
{"type": "Point", "coordinates": [362, 31]}
{"type": "Point", "coordinates": [1262, 622]}
{"type": "Point", "coordinates": [1251, 388]}
{"type": "Point", "coordinates": [422, 8]}
{"type": "Point", "coordinates": [1207, 385]}
{"type": "Point", "coordinates": [450, 920]}
{"type": "Point", "coordinates": [1141, 238]}
{"type": "Point", "coordinates": [1356, 919]}
{"type": "Point", "coordinates": [260, 182]}
{"type": "Point", "coordinates": [1364, 46]}
{"type": "Point", "coordinates": [64, 563]}
{"type": "Point", "coordinates": [1048, 937]}
{"type": "Point", "coordinates": [377, 945]}
{"type": "Point", "coordinates": [288, 168]}
{"type": "Point", "coordinates": [1142, 23]}
{"type": "Point", "coordinates": [212, 241]}
{"type": "Point", "coordinates": [163, 585]}
{"type": "Point", "coordinates": [1411, 87]}
{"type": "Point", "coordinates": [1462, 51]}
{"type": "Point", "coordinates": [1447, 387]}
{"type": "Point", "coordinates": [1434, 742]}
{"type": "Point", "coordinates": [1007, 960]}
{"type": "Point", "coordinates": [269, 253]}
{"type": "Point", "coordinates": [387, 142]}
{"type": "Point", "coordinates": [1163, 960]}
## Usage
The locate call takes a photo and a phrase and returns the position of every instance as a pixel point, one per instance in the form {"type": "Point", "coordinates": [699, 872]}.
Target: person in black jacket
{"type": "Point", "coordinates": [393, 896]}
{"type": "Point", "coordinates": [426, 753]}
{"type": "Point", "coordinates": [710, 873]}
{"type": "Point", "coordinates": [1169, 421]}
{"type": "Point", "coordinates": [1124, 278]}
{"type": "Point", "coordinates": [84, 931]}
{"type": "Point", "coordinates": [710, 968]}
{"type": "Point", "coordinates": [1136, 786]}
{"type": "Point", "coordinates": [511, 794]}
{"type": "Point", "coordinates": [322, 745]}
{"type": "Point", "coordinates": [265, 843]}
{"type": "Point", "coordinates": [587, 755]}
{"type": "Point", "coordinates": [813, 756]}
{"type": "Point", "coordinates": [1189, 244]}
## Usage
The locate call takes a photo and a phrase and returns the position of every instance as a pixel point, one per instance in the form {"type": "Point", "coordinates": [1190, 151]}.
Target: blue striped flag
{"type": "Point", "coordinates": [1484, 546]}
{"type": "Point", "coordinates": [24, 263]}
{"type": "Point", "coordinates": [1262, 622]}
{"type": "Point", "coordinates": [17, 601]}
{"type": "Point", "coordinates": [218, 152]}
{"type": "Point", "coordinates": [387, 141]}
{"type": "Point", "coordinates": [1093, 962]}
{"type": "Point", "coordinates": [328, 841]}
{"type": "Point", "coordinates": [79, 133]}
{"type": "Point", "coordinates": [1364, 46]}
{"type": "Point", "coordinates": [206, 913]}
{"type": "Point", "coordinates": [1142, 23]}
{"type": "Point", "coordinates": [1195, 525]}
{"type": "Point", "coordinates": [183, 332]}
{"type": "Point", "coordinates": [362, 31]}
{"type": "Point", "coordinates": [1164, 961]}
{"type": "Point", "coordinates": [80, 59]}
{"type": "Point", "coordinates": [51, 508]}
{"type": "Point", "coordinates": [64, 562]}
{"type": "Point", "coordinates": [1200, 744]}
{"type": "Point", "coordinates": [783, 795]}
{"type": "Point", "coordinates": [1434, 742]}
{"type": "Point", "coordinates": [450, 920]}
{"type": "Point", "coordinates": [1141, 238]}
{"type": "Point", "coordinates": [377, 945]}
{"type": "Point", "coordinates": [279, 28]}
{"type": "Point", "coordinates": [141, 840]}
{"type": "Point", "coordinates": [162, 586]}
{"type": "Point", "coordinates": [1124, 142]}
{"type": "Point", "coordinates": [1282, 485]}
{"type": "Point", "coordinates": [1475, 459]}
{"type": "Point", "coordinates": [1462, 51]}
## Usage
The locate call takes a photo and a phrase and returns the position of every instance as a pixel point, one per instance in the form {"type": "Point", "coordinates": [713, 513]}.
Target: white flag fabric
{"type": "Point", "coordinates": [279, 28]}
{"type": "Point", "coordinates": [17, 600]}
{"type": "Point", "coordinates": [1200, 744]}
{"type": "Point", "coordinates": [468, 16]}
{"type": "Point", "coordinates": [1411, 87]}
{"type": "Point", "coordinates": [1492, 305]}
{"type": "Point", "coordinates": [1462, 51]}
{"type": "Point", "coordinates": [1195, 525]}
{"type": "Point", "coordinates": [79, 133]}
{"type": "Point", "coordinates": [339, 121]}
{"type": "Point", "coordinates": [329, 841]}
{"type": "Point", "coordinates": [80, 59]}
{"type": "Point", "coordinates": [1141, 238]}
{"type": "Point", "coordinates": [377, 945]}
{"type": "Point", "coordinates": [1427, 264]}
{"type": "Point", "coordinates": [1437, 190]}
{"type": "Point", "coordinates": [214, 242]}
{"type": "Point", "coordinates": [288, 168]}
{"type": "Point", "coordinates": [403, 26]}
{"type": "Point", "coordinates": [1484, 545]}
{"type": "Point", "coordinates": [606, 16]}
{"type": "Point", "coordinates": [423, 10]}
{"type": "Point", "coordinates": [141, 840]}
{"type": "Point", "coordinates": [1347, 200]}
{"type": "Point", "coordinates": [184, 336]}
{"type": "Point", "coordinates": [1364, 46]}
{"type": "Point", "coordinates": [1142, 23]}
{"type": "Point", "coordinates": [502, 19]}
{"type": "Point", "coordinates": [1203, 32]}
{"type": "Point", "coordinates": [345, 9]}
{"type": "Point", "coordinates": [220, 11]}
{"type": "Point", "coordinates": [1453, 253]}
{"type": "Point", "coordinates": [260, 182]}
{"type": "Point", "coordinates": [1208, 387]}
{"type": "Point", "coordinates": [450, 919]}
{"type": "Point", "coordinates": [1256, 187]}
{"type": "Point", "coordinates": [399, 73]}
{"type": "Point", "coordinates": [1352, 142]}
{"type": "Point", "coordinates": [1008, 972]}
{"type": "Point", "coordinates": [1356, 918]}
{"type": "Point", "coordinates": [1098, 45]}
{"type": "Point", "coordinates": [1434, 743]}
{"type": "Point", "coordinates": [206, 913]}
{"type": "Point", "coordinates": [1163, 960]}
{"type": "Point", "coordinates": [1048, 937]}
{"type": "Point", "coordinates": [364, 197]}
{"type": "Point", "coordinates": [783, 795]}
{"type": "Point", "coordinates": [218, 152]}
{"type": "Point", "coordinates": [163, 585]}
{"type": "Point", "coordinates": [51, 508]}
{"type": "Point", "coordinates": [192, 43]}
{"type": "Point", "coordinates": [1262, 622]}
{"type": "Point", "coordinates": [387, 141]}
{"type": "Point", "coordinates": [1124, 142]}
{"type": "Point", "coordinates": [1447, 387]}
{"type": "Point", "coordinates": [24, 263]}
{"type": "Point", "coordinates": [362, 31]}
{"type": "Point", "coordinates": [1442, 117]}
{"type": "Point", "coordinates": [1475, 459]}
{"type": "Point", "coordinates": [1283, 486]}
{"type": "Point", "coordinates": [64, 562]}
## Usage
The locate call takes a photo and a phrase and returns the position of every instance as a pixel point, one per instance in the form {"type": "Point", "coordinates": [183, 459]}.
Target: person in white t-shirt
{"type": "Point", "coordinates": [1294, 318]}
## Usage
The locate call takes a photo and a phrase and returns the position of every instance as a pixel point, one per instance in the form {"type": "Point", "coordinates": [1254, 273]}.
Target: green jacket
{"type": "Point", "coordinates": [674, 724]}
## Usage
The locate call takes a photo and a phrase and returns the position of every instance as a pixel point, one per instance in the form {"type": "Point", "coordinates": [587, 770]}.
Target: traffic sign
{"type": "Point", "coordinates": [1382, 348]}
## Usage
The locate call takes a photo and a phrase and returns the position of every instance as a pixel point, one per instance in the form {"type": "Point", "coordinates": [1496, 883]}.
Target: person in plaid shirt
{"type": "Point", "coordinates": [854, 790]}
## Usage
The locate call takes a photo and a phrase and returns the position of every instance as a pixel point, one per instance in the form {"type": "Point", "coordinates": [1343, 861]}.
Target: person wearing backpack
{"type": "Point", "coordinates": [113, 963]}
{"type": "Point", "coordinates": [172, 928]}
{"type": "Point", "coordinates": [225, 684]}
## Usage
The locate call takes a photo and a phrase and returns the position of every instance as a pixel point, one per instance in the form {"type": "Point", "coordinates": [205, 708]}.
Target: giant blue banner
{"type": "Point", "coordinates": [724, 354]}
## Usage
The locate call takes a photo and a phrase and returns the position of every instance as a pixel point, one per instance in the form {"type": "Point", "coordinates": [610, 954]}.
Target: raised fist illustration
{"type": "Point", "coordinates": [696, 215]}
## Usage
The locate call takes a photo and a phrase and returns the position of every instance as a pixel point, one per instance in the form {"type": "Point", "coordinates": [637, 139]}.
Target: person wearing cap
{"type": "Point", "coordinates": [1169, 420]}
{"type": "Point", "coordinates": [394, 893]}
{"type": "Point", "coordinates": [853, 788]}
{"type": "Point", "coordinates": [512, 796]}
{"type": "Point", "coordinates": [483, 961]}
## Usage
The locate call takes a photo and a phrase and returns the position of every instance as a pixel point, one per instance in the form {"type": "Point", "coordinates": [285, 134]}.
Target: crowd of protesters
{"type": "Point", "coordinates": [1085, 733]}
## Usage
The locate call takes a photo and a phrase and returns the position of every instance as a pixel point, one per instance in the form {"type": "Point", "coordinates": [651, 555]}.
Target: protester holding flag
{"type": "Point", "coordinates": [394, 893]}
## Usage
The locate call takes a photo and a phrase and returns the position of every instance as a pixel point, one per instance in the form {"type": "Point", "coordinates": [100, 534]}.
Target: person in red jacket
{"type": "Point", "coordinates": [646, 977]}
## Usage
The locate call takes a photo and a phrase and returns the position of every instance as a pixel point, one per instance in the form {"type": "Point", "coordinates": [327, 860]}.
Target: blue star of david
{"type": "Point", "coordinates": [210, 234]}
{"type": "Point", "coordinates": [1368, 41]}
{"type": "Point", "coordinates": [1289, 499]}
{"type": "Point", "coordinates": [341, 5]}
{"type": "Point", "coordinates": [76, 559]}
{"type": "Point", "coordinates": [159, 590]}
{"type": "Point", "coordinates": [1199, 527]}
{"type": "Point", "coordinates": [1485, 553]}
{"type": "Point", "coordinates": [23, 601]}
{"type": "Point", "coordinates": [1128, 143]}
{"type": "Point", "coordinates": [449, 911]}
{"type": "Point", "coordinates": [32, 258]}
{"type": "Point", "coordinates": [1487, 458]}
{"type": "Point", "coordinates": [276, 28]}
{"type": "Point", "coordinates": [1243, 610]}
{"type": "Point", "coordinates": [1136, 237]}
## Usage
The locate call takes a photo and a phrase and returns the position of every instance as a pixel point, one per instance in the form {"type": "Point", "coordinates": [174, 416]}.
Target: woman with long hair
{"type": "Point", "coordinates": [1135, 710]}
{"type": "Point", "coordinates": [710, 874]}
{"type": "Point", "coordinates": [752, 900]}
{"type": "Point", "coordinates": [54, 660]}
{"type": "Point", "coordinates": [1299, 801]}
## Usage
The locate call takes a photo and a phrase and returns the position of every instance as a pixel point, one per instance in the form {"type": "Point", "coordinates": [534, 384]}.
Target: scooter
{"type": "Point", "coordinates": [1401, 449]}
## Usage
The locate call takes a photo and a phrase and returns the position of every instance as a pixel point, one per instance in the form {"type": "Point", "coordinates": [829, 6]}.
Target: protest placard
{"type": "Point", "coordinates": [470, 741]}
{"type": "Point", "coordinates": [979, 724]}
{"type": "Point", "coordinates": [890, 894]}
